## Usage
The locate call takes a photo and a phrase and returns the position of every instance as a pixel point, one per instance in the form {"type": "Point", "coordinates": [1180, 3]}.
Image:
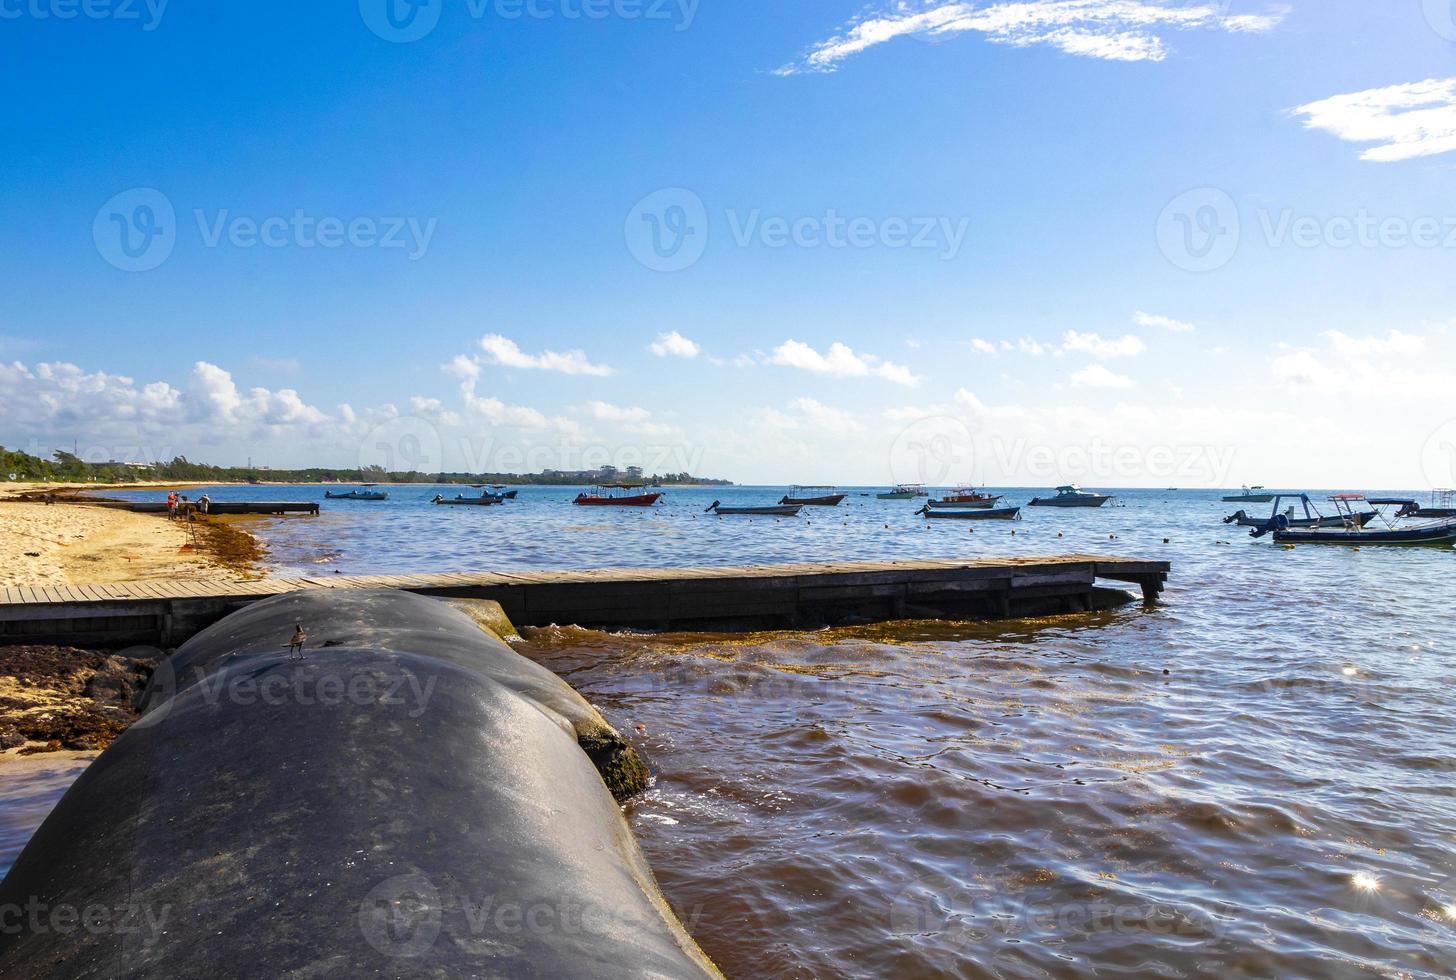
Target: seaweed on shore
{"type": "Point", "coordinates": [54, 698]}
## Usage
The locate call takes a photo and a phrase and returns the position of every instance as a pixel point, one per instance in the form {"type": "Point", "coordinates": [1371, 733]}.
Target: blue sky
{"type": "Point", "coordinates": [1019, 302]}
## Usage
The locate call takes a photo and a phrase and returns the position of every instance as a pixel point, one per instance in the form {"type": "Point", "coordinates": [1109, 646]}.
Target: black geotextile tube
{"type": "Point", "coordinates": [411, 798]}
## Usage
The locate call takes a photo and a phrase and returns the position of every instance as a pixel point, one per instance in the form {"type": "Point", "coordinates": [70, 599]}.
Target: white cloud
{"type": "Point", "coordinates": [1113, 30]}
{"type": "Point", "coordinates": [431, 410]}
{"type": "Point", "coordinates": [1407, 121]}
{"type": "Point", "coordinates": [504, 351]}
{"type": "Point", "coordinates": [826, 418]}
{"type": "Point", "coordinates": [1387, 368]}
{"type": "Point", "coordinates": [1097, 376]}
{"type": "Point", "coordinates": [1094, 344]}
{"type": "Point", "coordinates": [840, 361]}
{"type": "Point", "coordinates": [674, 344]}
{"type": "Point", "coordinates": [983, 346]}
{"type": "Point", "coordinates": [1161, 322]}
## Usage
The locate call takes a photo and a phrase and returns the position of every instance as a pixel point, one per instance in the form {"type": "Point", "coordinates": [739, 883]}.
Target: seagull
{"type": "Point", "coordinates": [296, 644]}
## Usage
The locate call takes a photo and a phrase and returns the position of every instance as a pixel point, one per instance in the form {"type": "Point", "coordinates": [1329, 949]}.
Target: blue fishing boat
{"type": "Point", "coordinates": [1292, 518]}
{"type": "Point", "coordinates": [971, 513]}
{"type": "Point", "coordinates": [367, 492]}
{"type": "Point", "coordinates": [776, 510]}
{"type": "Point", "coordinates": [1430, 532]}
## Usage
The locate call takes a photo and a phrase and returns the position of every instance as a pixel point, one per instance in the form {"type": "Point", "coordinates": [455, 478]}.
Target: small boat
{"type": "Point", "coordinates": [1311, 518]}
{"type": "Point", "coordinates": [972, 513]}
{"type": "Point", "coordinates": [966, 498]}
{"type": "Point", "coordinates": [1436, 532]}
{"type": "Point", "coordinates": [905, 491]}
{"type": "Point", "coordinates": [1250, 495]}
{"type": "Point", "coordinates": [484, 500]}
{"type": "Point", "coordinates": [779, 510]}
{"type": "Point", "coordinates": [601, 496]}
{"type": "Point", "coordinates": [1071, 496]}
{"type": "Point", "coordinates": [499, 490]}
{"type": "Point", "coordinates": [811, 497]}
{"type": "Point", "coordinates": [1442, 505]}
{"type": "Point", "coordinates": [364, 493]}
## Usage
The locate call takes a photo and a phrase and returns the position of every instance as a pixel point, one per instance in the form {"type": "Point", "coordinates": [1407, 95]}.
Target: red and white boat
{"type": "Point", "coordinates": [602, 496]}
{"type": "Point", "coordinates": [967, 498]}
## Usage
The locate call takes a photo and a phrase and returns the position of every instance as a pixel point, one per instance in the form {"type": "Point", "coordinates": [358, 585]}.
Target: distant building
{"type": "Point", "coordinates": [634, 472]}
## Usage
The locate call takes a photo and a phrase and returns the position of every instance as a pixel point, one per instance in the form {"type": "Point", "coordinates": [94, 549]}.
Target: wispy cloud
{"type": "Point", "coordinates": [1417, 119]}
{"type": "Point", "coordinates": [1100, 348]}
{"type": "Point", "coordinates": [1112, 30]}
{"type": "Point", "coordinates": [1161, 322]}
{"type": "Point", "coordinates": [840, 361]}
{"type": "Point", "coordinates": [1097, 376]}
{"type": "Point", "coordinates": [505, 352]}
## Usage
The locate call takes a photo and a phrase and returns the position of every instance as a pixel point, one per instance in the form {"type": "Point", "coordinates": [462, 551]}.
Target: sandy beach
{"type": "Point", "coordinates": [71, 544]}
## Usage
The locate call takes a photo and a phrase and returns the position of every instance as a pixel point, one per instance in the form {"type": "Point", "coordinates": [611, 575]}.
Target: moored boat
{"type": "Point", "coordinates": [484, 500]}
{"type": "Point", "coordinates": [971, 513]}
{"type": "Point", "coordinates": [1292, 519]}
{"type": "Point", "coordinates": [775, 510]}
{"type": "Point", "coordinates": [1430, 532]}
{"type": "Point", "coordinates": [367, 492]}
{"type": "Point", "coordinates": [601, 496]}
{"type": "Point", "coordinates": [1071, 495]}
{"type": "Point", "coordinates": [904, 491]}
{"type": "Point", "coordinates": [813, 497]}
{"type": "Point", "coordinates": [1250, 495]}
{"type": "Point", "coordinates": [966, 498]}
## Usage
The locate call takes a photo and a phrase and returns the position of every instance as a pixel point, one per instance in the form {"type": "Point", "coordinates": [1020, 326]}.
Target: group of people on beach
{"type": "Point", "coordinates": [178, 503]}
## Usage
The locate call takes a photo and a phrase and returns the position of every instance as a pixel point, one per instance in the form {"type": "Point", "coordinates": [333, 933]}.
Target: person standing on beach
{"type": "Point", "coordinates": [172, 504]}
{"type": "Point", "coordinates": [203, 503]}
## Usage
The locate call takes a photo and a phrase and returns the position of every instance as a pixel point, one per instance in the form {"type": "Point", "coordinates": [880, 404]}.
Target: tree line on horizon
{"type": "Point", "coordinates": [66, 467]}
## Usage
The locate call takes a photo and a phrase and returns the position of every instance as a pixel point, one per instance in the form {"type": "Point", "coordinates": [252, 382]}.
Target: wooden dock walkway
{"type": "Point", "coordinates": [735, 598]}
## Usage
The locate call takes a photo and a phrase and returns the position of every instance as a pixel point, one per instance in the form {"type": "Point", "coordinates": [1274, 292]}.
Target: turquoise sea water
{"type": "Point", "coordinates": [1256, 777]}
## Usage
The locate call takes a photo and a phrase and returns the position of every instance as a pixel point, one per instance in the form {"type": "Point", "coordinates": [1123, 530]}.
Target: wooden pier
{"type": "Point", "coordinates": [214, 507]}
{"type": "Point", "coordinates": [729, 599]}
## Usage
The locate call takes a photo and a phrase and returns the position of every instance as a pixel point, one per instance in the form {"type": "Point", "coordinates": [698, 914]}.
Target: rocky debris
{"type": "Point", "coordinates": [54, 698]}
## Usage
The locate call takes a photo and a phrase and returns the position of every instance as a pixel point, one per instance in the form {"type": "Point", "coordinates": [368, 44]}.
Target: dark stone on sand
{"type": "Point", "coordinates": [413, 798]}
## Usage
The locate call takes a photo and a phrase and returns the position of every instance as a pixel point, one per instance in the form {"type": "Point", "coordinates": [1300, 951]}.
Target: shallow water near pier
{"type": "Point", "coordinates": [1256, 777]}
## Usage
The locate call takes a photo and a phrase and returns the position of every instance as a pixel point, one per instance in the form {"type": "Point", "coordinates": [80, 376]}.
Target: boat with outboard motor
{"type": "Point", "coordinates": [1430, 532]}
{"type": "Point", "coordinates": [1443, 504]}
{"type": "Point", "coordinates": [601, 496]}
{"type": "Point", "coordinates": [1250, 495]}
{"type": "Point", "coordinates": [1071, 495]}
{"type": "Point", "coordinates": [484, 500]}
{"type": "Point", "coordinates": [814, 496]}
{"type": "Point", "coordinates": [1292, 518]}
{"type": "Point", "coordinates": [971, 513]}
{"type": "Point", "coordinates": [775, 510]}
{"type": "Point", "coordinates": [366, 492]}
